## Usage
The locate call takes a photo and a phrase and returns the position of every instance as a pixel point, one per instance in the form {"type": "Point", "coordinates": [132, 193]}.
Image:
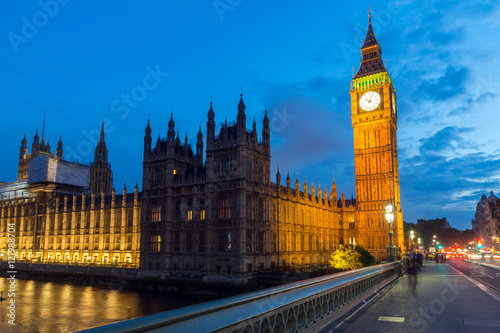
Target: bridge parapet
{"type": "Point", "coordinates": [303, 306]}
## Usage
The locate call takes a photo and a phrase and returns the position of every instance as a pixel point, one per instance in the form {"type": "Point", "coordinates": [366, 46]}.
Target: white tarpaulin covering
{"type": "Point", "coordinates": [49, 169]}
{"type": "Point", "coordinates": [14, 190]}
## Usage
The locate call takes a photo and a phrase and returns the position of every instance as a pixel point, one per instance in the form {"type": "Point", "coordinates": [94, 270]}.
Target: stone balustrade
{"type": "Point", "coordinates": [303, 306]}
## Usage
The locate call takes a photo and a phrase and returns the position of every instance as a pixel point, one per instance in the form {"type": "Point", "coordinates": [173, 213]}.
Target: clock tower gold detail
{"type": "Point", "coordinates": [374, 121]}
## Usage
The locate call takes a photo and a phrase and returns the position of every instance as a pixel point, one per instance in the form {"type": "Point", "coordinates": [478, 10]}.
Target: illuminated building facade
{"type": "Point", "coordinates": [374, 121]}
{"type": "Point", "coordinates": [59, 217]}
{"type": "Point", "coordinates": [219, 214]}
{"type": "Point", "coordinates": [486, 221]}
{"type": "Point", "coordinates": [226, 216]}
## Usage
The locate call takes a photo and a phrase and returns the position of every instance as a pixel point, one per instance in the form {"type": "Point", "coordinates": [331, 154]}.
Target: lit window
{"type": "Point", "coordinates": [175, 172]}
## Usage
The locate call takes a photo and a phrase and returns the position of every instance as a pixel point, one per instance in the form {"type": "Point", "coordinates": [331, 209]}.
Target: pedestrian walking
{"type": "Point", "coordinates": [426, 256]}
{"type": "Point", "coordinates": [420, 260]}
{"type": "Point", "coordinates": [412, 265]}
{"type": "Point", "coordinates": [436, 258]}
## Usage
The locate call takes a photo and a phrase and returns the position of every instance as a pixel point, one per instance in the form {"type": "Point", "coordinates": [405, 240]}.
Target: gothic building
{"type": "Point", "coordinates": [226, 216]}
{"type": "Point", "coordinates": [374, 121]}
{"type": "Point", "coordinates": [222, 215]}
{"type": "Point", "coordinates": [66, 212]}
{"type": "Point", "coordinates": [37, 148]}
{"type": "Point", "coordinates": [101, 177]}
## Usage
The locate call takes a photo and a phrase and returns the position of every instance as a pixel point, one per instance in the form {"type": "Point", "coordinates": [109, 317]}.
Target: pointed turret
{"type": "Point", "coordinates": [306, 194]}
{"type": "Point", "coordinates": [22, 170]}
{"type": "Point", "coordinates": [297, 185]}
{"type": "Point", "coordinates": [199, 148]}
{"type": "Point", "coordinates": [124, 194]}
{"type": "Point", "coordinates": [178, 138]}
{"type": "Point", "coordinates": [241, 118]}
{"type": "Point", "coordinates": [171, 129]}
{"type": "Point", "coordinates": [333, 192]}
{"type": "Point", "coordinates": [35, 146]}
{"type": "Point", "coordinates": [278, 181]}
{"type": "Point", "coordinates": [147, 140]}
{"type": "Point", "coordinates": [313, 191]}
{"type": "Point", "coordinates": [136, 194]}
{"type": "Point", "coordinates": [101, 177]}
{"type": "Point", "coordinates": [59, 149]}
{"type": "Point", "coordinates": [288, 181]}
{"type": "Point", "coordinates": [210, 126]}
{"type": "Point", "coordinates": [371, 61]}
{"type": "Point", "coordinates": [23, 151]}
{"type": "Point", "coordinates": [101, 136]}
{"type": "Point", "coordinates": [266, 132]}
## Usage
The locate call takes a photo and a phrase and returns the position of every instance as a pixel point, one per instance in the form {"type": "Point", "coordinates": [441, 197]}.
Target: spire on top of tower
{"type": "Point", "coordinates": [148, 128]}
{"type": "Point", "coordinates": [101, 138]}
{"type": "Point", "coordinates": [211, 113]}
{"type": "Point", "coordinates": [171, 123]}
{"type": "Point", "coordinates": [200, 134]}
{"type": "Point", "coordinates": [371, 62]}
{"type": "Point", "coordinates": [266, 120]}
{"type": "Point", "coordinates": [241, 104]}
{"type": "Point", "coordinates": [43, 128]}
{"type": "Point", "coordinates": [370, 39]}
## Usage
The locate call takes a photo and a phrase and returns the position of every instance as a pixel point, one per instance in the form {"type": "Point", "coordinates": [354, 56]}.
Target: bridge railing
{"type": "Point", "coordinates": [303, 306]}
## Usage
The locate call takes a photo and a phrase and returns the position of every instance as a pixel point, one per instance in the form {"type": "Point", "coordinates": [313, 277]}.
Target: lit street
{"type": "Point", "coordinates": [438, 299]}
{"type": "Point", "coordinates": [478, 270]}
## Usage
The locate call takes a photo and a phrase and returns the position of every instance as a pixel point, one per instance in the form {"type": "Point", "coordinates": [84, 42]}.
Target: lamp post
{"type": "Point", "coordinates": [412, 235]}
{"type": "Point", "coordinates": [389, 216]}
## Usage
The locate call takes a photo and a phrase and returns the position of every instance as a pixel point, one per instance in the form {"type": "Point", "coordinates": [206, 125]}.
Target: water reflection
{"type": "Point", "coordinates": [43, 306]}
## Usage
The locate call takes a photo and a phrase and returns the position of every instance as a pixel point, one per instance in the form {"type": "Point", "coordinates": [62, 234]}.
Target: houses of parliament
{"type": "Point", "coordinates": [215, 208]}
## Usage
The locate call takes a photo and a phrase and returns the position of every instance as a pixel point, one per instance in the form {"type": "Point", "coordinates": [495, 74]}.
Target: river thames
{"type": "Point", "coordinates": [45, 306]}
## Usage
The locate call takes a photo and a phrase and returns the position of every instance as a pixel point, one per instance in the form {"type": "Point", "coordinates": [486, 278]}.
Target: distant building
{"type": "Point", "coordinates": [438, 223]}
{"type": "Point", "coordinates": [486, 220]}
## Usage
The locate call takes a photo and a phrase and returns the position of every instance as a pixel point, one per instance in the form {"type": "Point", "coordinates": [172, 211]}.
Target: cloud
{"type": "Point", "coordinates": [449, 85]}
{"type": "Point", "coordinates": [444, 140]}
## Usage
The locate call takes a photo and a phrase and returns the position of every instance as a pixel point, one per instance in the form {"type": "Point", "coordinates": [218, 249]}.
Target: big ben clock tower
{"type": "Point", "coordinates": [374, 122]}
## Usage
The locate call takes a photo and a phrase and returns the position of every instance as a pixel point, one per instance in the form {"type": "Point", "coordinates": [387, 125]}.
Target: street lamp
{"type": "Point", "coordinates": [389, 216]}
{"type": "Point", "coordinates": [412, 235]}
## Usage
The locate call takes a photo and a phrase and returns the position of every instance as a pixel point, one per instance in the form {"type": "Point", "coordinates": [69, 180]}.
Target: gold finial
{"type": "Point", "coordinates": [369, 13]}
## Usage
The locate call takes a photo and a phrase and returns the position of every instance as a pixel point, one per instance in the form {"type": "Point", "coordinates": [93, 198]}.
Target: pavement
{"type": "Point", "coordinates": [438, 299]}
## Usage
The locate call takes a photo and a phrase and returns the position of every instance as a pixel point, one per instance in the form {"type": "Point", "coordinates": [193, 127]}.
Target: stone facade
{"type": "Point", "coordinates": [59, 223]}
{"type": "Point", "coordinates": [486, 221]}
{"type": "Point", "coordinates": [374, 122]}
{"type": "Point", "coordinates": [55, 226]}
{"type": "Point", "coordinates": [220, 214]}
{"type": "Point", "coordinates": [226, 216]}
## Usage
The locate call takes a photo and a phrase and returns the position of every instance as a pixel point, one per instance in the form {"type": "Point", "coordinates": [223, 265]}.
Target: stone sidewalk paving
{"type": "Point", "coordinates": [438, 299]}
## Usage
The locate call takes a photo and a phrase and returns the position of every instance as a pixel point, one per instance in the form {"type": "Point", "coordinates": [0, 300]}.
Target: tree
{"type": "Point", "coordinates": [351, 257]}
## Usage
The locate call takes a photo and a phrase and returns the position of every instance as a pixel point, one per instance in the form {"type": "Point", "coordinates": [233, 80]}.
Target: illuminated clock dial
{"type": "Point", "coordinates": [393, 103]}
{"type": "Point", "coordinates": [369, 101]}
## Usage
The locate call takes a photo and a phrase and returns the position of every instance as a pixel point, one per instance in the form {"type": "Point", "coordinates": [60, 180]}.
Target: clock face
{"type": "Point", "coordinates": [393, 103]}
{"type": "Point", "coordinates": [369, 101]}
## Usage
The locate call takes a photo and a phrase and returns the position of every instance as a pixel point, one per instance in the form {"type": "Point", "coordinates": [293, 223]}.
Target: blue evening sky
{"type": "Point", "coordinates": [85, 61]}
